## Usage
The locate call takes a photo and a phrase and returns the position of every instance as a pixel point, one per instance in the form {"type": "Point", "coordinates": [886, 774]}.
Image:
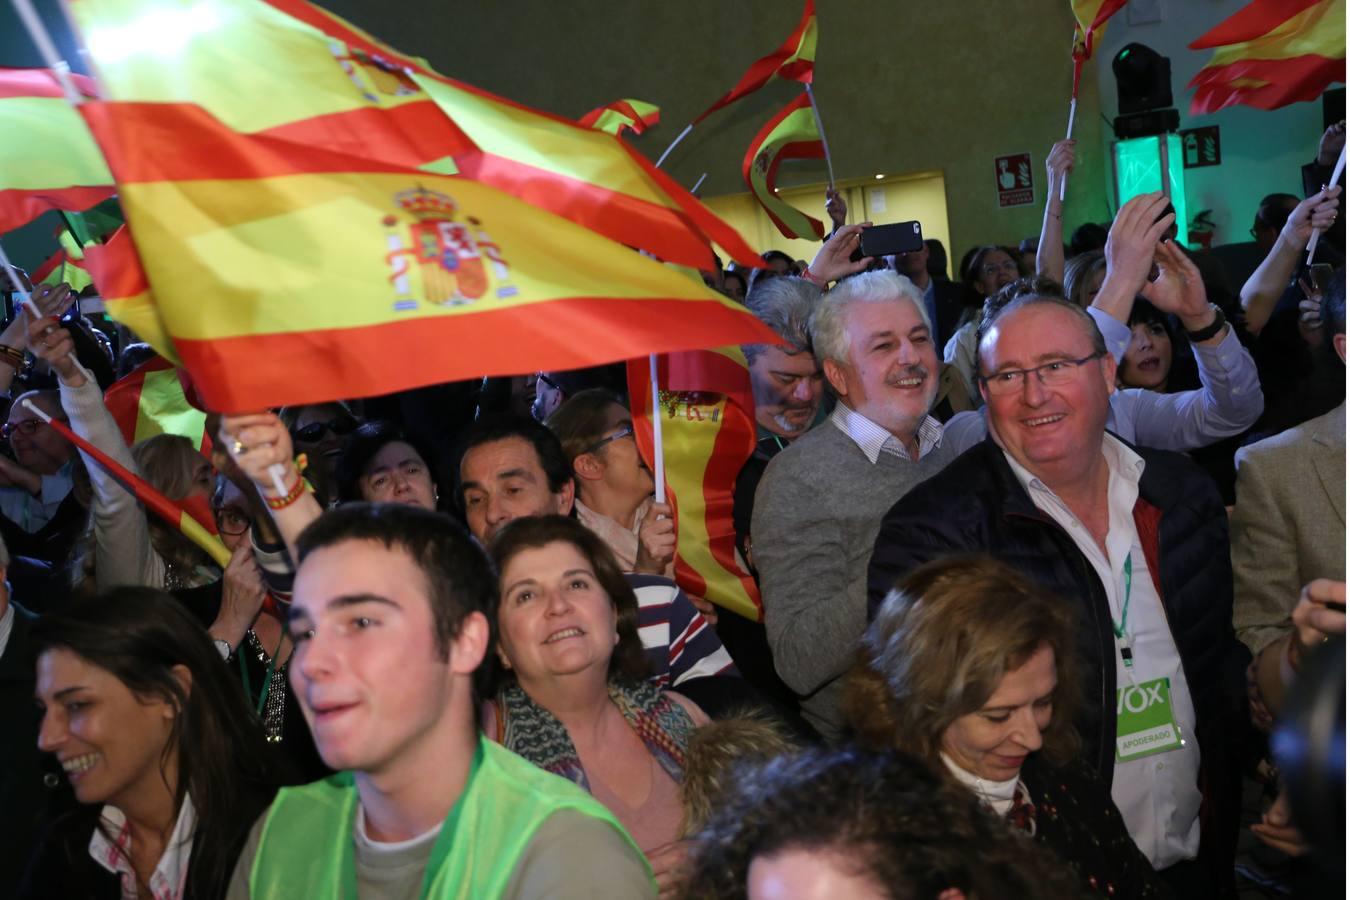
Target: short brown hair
{"type": "Point", "coordinates": [942, 640]}
{"type": "Point", "coordinates": [629, 661]}
{"type": "Point", "coordinates": [582, 420]}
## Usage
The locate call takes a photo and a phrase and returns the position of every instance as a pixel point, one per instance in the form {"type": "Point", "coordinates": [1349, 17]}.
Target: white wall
{"type": "Point", "coordinates": [1262, 151]}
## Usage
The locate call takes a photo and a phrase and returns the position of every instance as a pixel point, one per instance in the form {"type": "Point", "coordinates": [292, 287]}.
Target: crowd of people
{"type": "Point", "coordinates": [1042, 549]}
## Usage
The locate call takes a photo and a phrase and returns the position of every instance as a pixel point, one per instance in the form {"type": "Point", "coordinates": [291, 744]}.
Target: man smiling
{"type": "Point", "coordinates": [820, 501]}
{"type": "Point", "coordinates": [388, 619]}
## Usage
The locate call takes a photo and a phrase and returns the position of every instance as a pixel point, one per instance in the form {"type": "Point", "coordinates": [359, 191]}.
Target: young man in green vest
{"type": "Point", "coordinates": [389, 625]}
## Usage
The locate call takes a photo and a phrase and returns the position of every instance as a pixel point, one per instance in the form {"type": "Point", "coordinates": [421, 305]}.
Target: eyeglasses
{"type": "Point", "coordinates": [27, 427]}
{"type": "Point", "coordinates": [231, 521]}
{"type": "Point", "coordinates": [315, 431]}
{"type": "Point", "coordinates": [625, 431]}
{"type": "Point", "coordinates": [1052, 374]}
{"type": "Point", "coordinates": [995, 268]}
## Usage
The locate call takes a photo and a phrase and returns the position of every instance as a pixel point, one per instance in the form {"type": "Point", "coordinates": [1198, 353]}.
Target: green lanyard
{"type": "Point", "coordinates": [1125, 653]}
{"type": "Point", "coordinates": [267, 680]}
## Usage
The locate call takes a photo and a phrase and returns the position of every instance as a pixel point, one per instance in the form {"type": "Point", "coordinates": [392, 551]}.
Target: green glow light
{"type": "Point", "coordinates": [1138, 165]}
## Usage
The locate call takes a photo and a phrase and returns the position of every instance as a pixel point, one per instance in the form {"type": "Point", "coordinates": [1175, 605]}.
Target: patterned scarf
{"type": "Point", "coordinates": [531, 731]}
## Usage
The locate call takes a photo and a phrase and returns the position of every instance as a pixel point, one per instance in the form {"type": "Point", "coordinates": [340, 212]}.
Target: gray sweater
{"type": "Point", "coordinates": [817, 513]}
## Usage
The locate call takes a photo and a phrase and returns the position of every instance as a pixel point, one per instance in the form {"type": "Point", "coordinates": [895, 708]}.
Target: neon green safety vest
{"type": "Point", "coordinates": [305, 849]}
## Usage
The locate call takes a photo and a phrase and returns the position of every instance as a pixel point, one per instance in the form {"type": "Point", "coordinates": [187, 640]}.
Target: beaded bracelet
{"type": "Point", "coordinates": [292, 495]}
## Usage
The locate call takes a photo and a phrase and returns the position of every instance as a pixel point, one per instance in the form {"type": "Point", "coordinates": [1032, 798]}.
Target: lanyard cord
{"type": "Point", "coordinates": [267, 679]}
{"type": "Point", "coordinates": [1125, 611]}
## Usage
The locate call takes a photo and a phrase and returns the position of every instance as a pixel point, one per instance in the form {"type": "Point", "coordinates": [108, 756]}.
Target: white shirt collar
{"type": "Point", "coordinates": [6, 626]}
{"type": "Point", "coordinates": [997, 795]}
{"type": "Point", "coordinates": [1120, 460]}
{"type": "Point", "coordinates": [872, 439]}
{"type": "Point", "coordinates": [170, 875]}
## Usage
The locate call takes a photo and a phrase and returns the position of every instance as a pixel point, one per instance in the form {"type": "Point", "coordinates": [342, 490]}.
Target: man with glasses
{"type": "Point", "coordinates": [40, 515]}
{"type": "Point", "coordinates": [1139, 539]}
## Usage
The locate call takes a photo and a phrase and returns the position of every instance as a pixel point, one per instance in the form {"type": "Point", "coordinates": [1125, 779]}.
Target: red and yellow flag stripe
{"type": "Point", "coordinates": [794, 60]}
{"type": "Point", "coordinates": [614, 118]}
{"type": "Point", "coordinates": [151, 400]}
{"type": "Point", "coordinates": [1271, 54]}
{"type": "Point", "coordinates": [707, 437]}
{"type": "Point", "coordinates": [47, 159]}
{"type": "Point", "coordinates": [347, 92]}
{"type": "Point", "coordinates": [791, 134]}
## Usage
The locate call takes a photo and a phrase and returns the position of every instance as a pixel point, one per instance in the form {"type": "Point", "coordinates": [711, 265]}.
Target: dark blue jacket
{"type": "Point", "coordinates": [977, 505]}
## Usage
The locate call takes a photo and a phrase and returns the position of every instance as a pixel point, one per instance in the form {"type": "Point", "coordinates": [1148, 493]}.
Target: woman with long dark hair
{"type": "Point", "coordinates": [163, 755]}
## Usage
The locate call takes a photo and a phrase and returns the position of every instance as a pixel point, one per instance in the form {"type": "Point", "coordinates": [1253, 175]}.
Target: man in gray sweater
{"type": "Point", "coordinates": [820, 503]}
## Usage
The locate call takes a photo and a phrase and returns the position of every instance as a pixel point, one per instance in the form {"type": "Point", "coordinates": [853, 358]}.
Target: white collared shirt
{"type": "Point", "coordinates": [997, 795]}
{"type": "Point", "coordinates": [1159, 795]}
{"type": "Point", "coordinates": [170, 875]}
{"type": "Point", "coordinates": [873, 440]}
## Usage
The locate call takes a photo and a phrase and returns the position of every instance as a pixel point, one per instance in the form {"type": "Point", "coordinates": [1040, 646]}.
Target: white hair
{"type": "Point", "coordinates": [830, 319]}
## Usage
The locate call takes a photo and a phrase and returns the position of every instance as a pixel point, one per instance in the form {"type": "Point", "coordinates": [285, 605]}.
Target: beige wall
{"type": "Point", "coordinates": [904, 87]}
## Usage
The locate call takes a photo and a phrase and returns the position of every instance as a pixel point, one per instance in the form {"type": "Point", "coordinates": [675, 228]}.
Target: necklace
{"type": "Point", "coordinates": [271, 704]}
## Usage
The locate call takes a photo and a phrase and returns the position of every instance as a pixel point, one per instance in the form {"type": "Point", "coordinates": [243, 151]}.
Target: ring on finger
{"type": "Point", "coordinates": [238, 448]}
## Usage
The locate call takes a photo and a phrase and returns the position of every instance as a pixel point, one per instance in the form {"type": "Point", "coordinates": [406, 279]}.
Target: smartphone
{"type": "Point", "coordinates": [1321, 277]}
{"type": "Point", "coordinates": [885, 240]}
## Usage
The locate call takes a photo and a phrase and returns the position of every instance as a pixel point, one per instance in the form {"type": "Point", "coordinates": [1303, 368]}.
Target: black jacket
{"type": "Point", "coordinates": [976, 505]}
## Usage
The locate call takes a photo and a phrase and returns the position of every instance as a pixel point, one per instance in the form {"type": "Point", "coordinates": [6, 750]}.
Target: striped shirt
{"type": "Point", "coordinates": [680, 643]}
{"type": "Point", "coordinates": [873, 440]}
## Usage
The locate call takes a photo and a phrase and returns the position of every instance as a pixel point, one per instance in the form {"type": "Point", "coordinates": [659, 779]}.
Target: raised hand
{"type": "Point", "coordinates": [835, 207]}
{"type": "Point", "coordinates": [656, 540]}
{"type": "Point", "coordinates": [1134, 235]}
{"type": "Point", "coordinates": [1318, 211]}
{"type": "Point", "coordinates": [1059, 162]}
{"type": "Point", "coordinates": [50, 342]}
{"type": "Point", "coordinates": [256, 442]}
{"type": "Point", "coordinates": [1178, 289]}
{"type": "Point", "coordinates": [832, 260]}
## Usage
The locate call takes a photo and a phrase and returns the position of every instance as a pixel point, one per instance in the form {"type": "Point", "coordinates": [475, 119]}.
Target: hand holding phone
{"type": "Point", "coordinates": [887, 240]}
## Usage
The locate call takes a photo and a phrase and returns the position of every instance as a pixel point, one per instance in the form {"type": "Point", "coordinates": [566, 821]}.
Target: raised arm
{"type": "Point", "coordinates": [123, 554]}
{"type": "Point", "coordinates": [1130, 250]}
{"type": "Point", "coordinates": [1268, 283]}
{"type": "Point", "coordinates": [257, 442]}
{"type": "Point", "coordinates": [1050, 251]}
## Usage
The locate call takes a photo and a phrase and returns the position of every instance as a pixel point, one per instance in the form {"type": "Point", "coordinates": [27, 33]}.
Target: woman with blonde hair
{"type": "Point", "coordinates": [972, 668]}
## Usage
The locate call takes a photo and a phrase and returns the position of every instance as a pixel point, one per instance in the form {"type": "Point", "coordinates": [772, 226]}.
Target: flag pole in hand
{"type": "Point", "coordinates": [658, 449]}
{"type": "Point", "coordinates": [1335, 177]}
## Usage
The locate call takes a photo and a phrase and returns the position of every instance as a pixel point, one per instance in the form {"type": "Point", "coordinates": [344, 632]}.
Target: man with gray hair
{"type": "Point", "coordinates": [820, 503]}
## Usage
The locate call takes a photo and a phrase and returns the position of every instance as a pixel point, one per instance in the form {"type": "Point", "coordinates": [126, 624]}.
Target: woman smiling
{"type": "Point", "coordinates": [971, 667]}
{"type": "Point", "coordinates": [163, 755]}
{"type": "Point", "coordinates": [573, 698]}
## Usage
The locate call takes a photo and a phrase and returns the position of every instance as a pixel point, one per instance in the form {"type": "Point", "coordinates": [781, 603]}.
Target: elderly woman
{"type": "Point", "coordinates": [970, 667]}
{"type": "Point", "coordinates": [573, 697]}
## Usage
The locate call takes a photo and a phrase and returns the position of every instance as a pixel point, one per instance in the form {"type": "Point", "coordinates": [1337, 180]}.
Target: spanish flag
{"type": "Point", "coordinates": [288, 70]}
{"type": "Point", "coordinates": [285, 276]}
{"type": "Point", "coordinates": [707, 436]}
{"type": "Point", "coordinates": [153, 399]}
{"type": "Point", "coordinates": [1091, 16]}
{"type": "Point", "coordinates": [613, 118]}
{"type": "Point", "coordinates": [792, 134]}
{"type": "Point", "coordinates": [47, 159]}
{"type": "Point", "coordinates": [795, 60]}
{"type": "Point", "coordinates": [1271, 53]}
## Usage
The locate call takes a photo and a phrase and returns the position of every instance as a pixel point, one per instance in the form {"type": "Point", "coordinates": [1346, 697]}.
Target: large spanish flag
{"type": "Point", "coordinates": [791, 134]}
{"type": "Point", "coordinates": [707, 436]}
{"type": "Point", "coordinates": [282, 275]}
{"type": "Point", "coordinates": [1271, 53]}
{"type": "Point", "coordinates": [614, 118]}
{"type": "Point", "coordinates": [794, 60]}
{"type": "Point", "coordinates": [292, 71]}
{"type": "Point", "coordinates": [47, 158]}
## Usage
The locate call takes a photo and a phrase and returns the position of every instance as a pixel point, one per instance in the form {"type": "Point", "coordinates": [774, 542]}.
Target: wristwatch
{"type": "Point", "coordinates": [223, 648]}
{"type": "Point", "coordinates": [1211, 329]}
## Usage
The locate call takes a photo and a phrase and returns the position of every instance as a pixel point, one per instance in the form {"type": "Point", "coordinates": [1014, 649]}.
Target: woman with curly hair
{"type": "Point", "coordinates": [868, 826]}
{"type": "Point", "coordinates": [972, 668]}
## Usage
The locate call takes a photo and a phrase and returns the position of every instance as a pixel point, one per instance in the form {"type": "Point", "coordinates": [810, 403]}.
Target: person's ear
{"type": "Point", "coordinates": [469, 647]}
{"type": "Point", "coordinates": [1338, 342]}
{"type": "Point", "coordinates": [834, 374]}
{"type": "Point", "coordinates": [588, 468]}
{"type": "Point", "coordinates": [1109, 372]}
{"type": "Point", "coordinates": [183, 675]}
{"type": "Point", "coordinates": [565, 497]}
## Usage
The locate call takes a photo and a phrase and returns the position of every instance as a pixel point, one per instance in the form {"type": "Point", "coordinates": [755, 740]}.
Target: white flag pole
{"type": "Point", "coordinates": [1335, 177]}
{"type": "Point", "coordinates": [658, 448]}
